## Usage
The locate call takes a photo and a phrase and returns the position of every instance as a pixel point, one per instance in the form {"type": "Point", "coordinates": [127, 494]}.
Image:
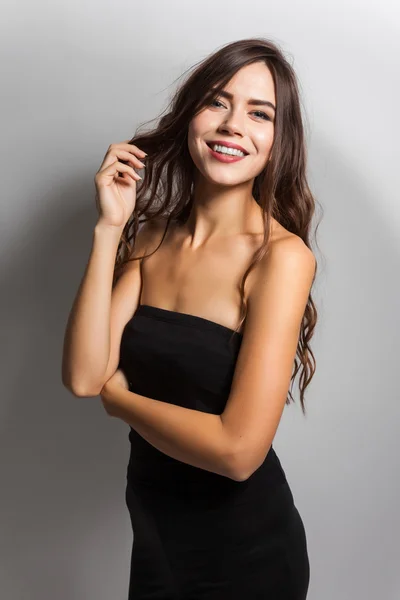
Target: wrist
{"type": "Point", "coordinates": [102, 229]}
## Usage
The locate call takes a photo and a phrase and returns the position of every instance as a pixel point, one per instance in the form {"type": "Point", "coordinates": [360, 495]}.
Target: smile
{"type": "Point", "coordinates": [226, 155]}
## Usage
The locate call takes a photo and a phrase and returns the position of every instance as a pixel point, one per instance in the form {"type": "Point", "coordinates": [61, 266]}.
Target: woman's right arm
{"type": "Point", "coordinates": [99, 314]}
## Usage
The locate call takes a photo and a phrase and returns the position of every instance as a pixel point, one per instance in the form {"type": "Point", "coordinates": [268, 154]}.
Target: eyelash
{"type": "Point", "coordinates": [267, 118]}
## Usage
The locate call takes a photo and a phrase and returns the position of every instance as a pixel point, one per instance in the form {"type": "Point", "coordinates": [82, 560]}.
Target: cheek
{"type": "Point", "coordinates": [193, 133]}
{"type": "Point", "coordinates": [197, 131]}
{"type": "Point", "coordinates": [263, 141]}
{"type": "Point", "coordinates": [196, 125]}
{"type": "Point", "coordinates": [193, 149]}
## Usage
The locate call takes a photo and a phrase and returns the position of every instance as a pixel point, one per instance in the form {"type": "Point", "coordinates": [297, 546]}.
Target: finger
{"type": "Point", "coordinates": [128, 170]}
{"type": "Point", "coordinates": [130, 147]}
{"type": "Point", "coordinates": [131, 157]}
{"type": "Point", "coordinates": [117, 167]}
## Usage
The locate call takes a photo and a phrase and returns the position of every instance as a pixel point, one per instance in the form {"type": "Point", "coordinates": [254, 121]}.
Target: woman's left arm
{"type": "Point", "coordinates": [191, 436]}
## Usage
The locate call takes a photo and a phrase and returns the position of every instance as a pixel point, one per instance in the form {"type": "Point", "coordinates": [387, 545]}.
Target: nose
{"type": "Point", "coordinates": [233, 123]}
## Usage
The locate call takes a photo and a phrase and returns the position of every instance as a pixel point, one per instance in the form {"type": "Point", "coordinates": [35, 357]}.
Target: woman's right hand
{"type": "Point", "coordinates": [115, 194]}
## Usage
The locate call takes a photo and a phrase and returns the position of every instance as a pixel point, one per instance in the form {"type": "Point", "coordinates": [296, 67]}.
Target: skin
{"type": "Point", "coordinates": [223, 192]}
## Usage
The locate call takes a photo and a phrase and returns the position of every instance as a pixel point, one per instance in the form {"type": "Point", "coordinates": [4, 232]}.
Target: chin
{"type": "Point", "coordinates": [225, 181]}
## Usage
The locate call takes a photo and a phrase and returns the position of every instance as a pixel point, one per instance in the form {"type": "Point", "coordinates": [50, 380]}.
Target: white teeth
{"type": "Point", "coordinates": [226, 150]}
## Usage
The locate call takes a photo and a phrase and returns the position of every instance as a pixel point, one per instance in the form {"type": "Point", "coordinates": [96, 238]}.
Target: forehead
{"type": "Point", "coordinates": [252, 81]}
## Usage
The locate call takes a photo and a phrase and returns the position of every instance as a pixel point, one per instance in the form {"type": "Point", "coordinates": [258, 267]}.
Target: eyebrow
{"type": "Point", "coordinates": [253, 101]}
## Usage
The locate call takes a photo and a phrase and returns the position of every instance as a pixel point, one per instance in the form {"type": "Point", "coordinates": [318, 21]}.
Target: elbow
{"type": "Point", "coordinates": [242, 474]}
{"type": "Point", "coordinates": [79, 391]}
{"type": "Point", "coordinates": [76, 387]}
{"type": "Point", "coordinates": [236, 471]}
{"type": "Point", "coordinates": [243, 465]}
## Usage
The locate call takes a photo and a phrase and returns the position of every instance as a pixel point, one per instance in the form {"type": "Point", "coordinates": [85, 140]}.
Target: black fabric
{"type": "Point", "coordinates": [196, 534]}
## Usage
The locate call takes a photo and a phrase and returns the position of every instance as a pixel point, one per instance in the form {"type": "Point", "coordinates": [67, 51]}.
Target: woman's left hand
{"type": "Point", "coordinates": [118, 380]}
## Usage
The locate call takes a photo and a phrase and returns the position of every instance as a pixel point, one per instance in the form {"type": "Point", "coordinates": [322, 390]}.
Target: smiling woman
{"type": "Point", "coordinates": [254, 129]}
{"type": "Point", "coordinates": [190, 328]}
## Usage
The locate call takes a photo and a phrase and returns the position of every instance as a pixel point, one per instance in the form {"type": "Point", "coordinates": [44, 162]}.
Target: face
{"type": "Point", "coordinates": [234, 119]}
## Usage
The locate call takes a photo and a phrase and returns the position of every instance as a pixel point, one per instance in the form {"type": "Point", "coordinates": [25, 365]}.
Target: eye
{"type": "Point", "coordinates": [265, 116]}
{"type": "Point", "coordinates": [260, 112]}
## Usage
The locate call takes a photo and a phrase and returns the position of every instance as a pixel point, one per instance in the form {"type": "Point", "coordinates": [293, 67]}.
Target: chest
{"type": "Point", "coordinates": [204, 282]}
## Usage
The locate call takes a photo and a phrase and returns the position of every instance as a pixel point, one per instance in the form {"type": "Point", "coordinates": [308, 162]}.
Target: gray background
{"type": "Point", "coordinates": [79, 76]}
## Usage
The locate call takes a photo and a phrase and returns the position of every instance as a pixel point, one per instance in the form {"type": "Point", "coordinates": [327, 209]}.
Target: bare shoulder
{"type": "Point", "coordinates": [288, 259]}
{"type": "Point", "coordinates": [289, 254]}
{"type": "Point", "coordinates": [288, 244]}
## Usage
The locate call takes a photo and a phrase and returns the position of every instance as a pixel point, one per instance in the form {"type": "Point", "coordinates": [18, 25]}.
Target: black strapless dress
{"type": "Point", "coordinates": [196, 534]}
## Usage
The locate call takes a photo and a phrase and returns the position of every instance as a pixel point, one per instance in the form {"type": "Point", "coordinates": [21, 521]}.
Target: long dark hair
{"type": "Point", "coordinates": [281, 189]}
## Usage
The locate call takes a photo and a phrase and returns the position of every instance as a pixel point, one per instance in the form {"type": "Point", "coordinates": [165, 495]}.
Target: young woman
{"type": "Point", "coordinates": [188, 328]}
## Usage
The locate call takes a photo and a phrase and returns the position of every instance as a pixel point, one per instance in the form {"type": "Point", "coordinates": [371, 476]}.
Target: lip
{"type": "Point", "coordinates": [227, 144]}
{"type": "Point", "coordinates": [225, 158]}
